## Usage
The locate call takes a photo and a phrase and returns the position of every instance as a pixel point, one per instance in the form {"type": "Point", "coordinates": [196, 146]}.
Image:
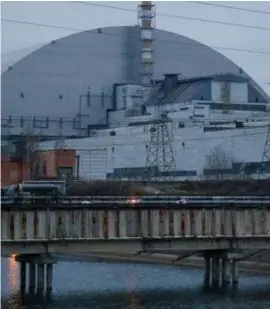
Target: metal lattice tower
{"type": "Point", "coordinates": [265, 156]}
{"type": "Point", "coordinates": [146, 22]}
{"type": "Point", "coordinates": [160, 157]}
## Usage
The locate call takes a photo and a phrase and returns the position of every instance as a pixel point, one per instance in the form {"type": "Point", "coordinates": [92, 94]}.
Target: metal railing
{"type": "Point", "coordinates": [160, 201]}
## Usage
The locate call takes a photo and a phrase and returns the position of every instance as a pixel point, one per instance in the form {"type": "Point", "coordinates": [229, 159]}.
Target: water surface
{"type": "Point", "coordinates": [102, 285]}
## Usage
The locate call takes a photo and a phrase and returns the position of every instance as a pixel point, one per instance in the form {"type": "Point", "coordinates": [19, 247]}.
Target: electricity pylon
{"type": "Point", "coordinates": [160, 159]}
{"type": "Point", "coordinates": [265, 156]}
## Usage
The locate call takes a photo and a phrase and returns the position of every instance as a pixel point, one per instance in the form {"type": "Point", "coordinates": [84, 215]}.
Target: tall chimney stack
{"type": "Point", "coordinates": [146, 21]}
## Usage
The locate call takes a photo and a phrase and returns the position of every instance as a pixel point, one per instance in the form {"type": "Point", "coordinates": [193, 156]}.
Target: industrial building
{"type": "Point", "coordinates": [97, 91]}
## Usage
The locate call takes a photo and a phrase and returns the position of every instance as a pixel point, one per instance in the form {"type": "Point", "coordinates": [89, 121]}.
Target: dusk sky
{"type": "Point", "coordinates": [83, 16]}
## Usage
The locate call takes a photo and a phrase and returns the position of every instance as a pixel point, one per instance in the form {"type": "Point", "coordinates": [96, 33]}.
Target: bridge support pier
{"type": "Point", "coordinates": [22, 277]}
{"type": "Point", "coordinates": [32, 278]}
{"type": "Point", "coordinates": [225, 272]}
{"type": "Point", "coordinates": [49, 278]}
{"type": "Point", "coordinates": [40, 278]}
{"type": "Point", "coordinates": [235, 272]}
{"type": "Point", "coordinates": [215, 272]}
{"type": "Point", "coordinates": [40, 268]}
{"type": "Point", "coordinates": [220, 271]}
{"type": "Point", "coordinates": [207, 270]}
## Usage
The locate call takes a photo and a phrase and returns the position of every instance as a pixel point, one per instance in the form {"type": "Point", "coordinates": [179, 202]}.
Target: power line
{"type": "Point", "coordinates": [230, 7]}
{"type": "Point", "coordinates": [201, 45]}
{"type": "Point", "coordinates": [40, 25]}
{"type": "Point", "coordinates": [160, 14]}
{"type": "Point", "coordinates": [195, 44]}
{"type": "Point", "coordinates": [178, 16]}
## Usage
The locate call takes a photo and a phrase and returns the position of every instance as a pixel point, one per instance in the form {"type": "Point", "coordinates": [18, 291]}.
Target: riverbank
{"type": "Point", "coordinates": [245, 267]}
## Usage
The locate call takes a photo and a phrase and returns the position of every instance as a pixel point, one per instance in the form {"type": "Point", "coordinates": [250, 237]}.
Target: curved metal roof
{"type": "Point", "coordinates": [10, 58]}
{"type": "Point", "coordinates": [49, 81]}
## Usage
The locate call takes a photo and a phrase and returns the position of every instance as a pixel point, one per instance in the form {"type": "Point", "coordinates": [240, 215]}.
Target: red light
{"type": "Point", "coordinates": [161, 212]}
{"type": "Point", "coordinates": [133, 201]}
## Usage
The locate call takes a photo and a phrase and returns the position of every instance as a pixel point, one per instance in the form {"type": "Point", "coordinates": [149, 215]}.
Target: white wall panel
{"type": "Point", "coordinates": [238, 92]}
{"type": "Point", "coordinates": [92, 164]}
{"type": "Point", "coordinates": [100, 155]}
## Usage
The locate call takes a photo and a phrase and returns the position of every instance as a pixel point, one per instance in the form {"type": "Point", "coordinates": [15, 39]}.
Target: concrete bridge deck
{"type": "Point", "coordinates": [60, 228]}
{"type": "Point", "coordinates": [36, 231]}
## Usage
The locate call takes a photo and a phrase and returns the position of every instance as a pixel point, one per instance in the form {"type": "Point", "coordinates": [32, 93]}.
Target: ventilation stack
{"type": "Point", "coordinates": [146, 21]}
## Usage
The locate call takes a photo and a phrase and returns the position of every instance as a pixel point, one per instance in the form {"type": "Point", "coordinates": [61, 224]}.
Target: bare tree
{"type": "Point", "coordinates": [217, 162]}
{"type": "Point", "coordinates": [27, 152]}
{"type": "Point", "coordinates": [59, 143]}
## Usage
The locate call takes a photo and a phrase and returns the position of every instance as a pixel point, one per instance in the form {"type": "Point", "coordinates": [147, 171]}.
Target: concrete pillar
{"type": "Point", "coordinates": [225, 272]}
{"type": "Point", "coordinates": [235, 272]}
{"type": "Point", "coordinates": [32, 278]}
{"type": "Point", "coordinates": [36, 272]}
{"type": "Point", "coordinates": [49, 278]}
{"type": "Point", "coordinates": [207, 270]}
{"type": "Point", "coordinates": [215, 271]}
{"type": "Point", "coordinates": [40, 278]}
{"type": "Point", "coordinates": [22, 277]}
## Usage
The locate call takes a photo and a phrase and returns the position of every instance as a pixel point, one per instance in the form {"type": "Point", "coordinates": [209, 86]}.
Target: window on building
{"type": "Point", "coordinates": [184, 108]}
{"type": "Point", "coordinates": [181, 125]}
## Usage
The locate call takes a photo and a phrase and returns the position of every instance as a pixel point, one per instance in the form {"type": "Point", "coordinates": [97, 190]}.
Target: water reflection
{"type": "Point", "coordinates": [13, 273]}
{"type": "Point", "coordinates": [132, 287]}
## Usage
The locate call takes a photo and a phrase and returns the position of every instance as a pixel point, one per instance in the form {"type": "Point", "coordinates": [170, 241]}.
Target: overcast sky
{"type": "Point", "coordinates": [85, 17]}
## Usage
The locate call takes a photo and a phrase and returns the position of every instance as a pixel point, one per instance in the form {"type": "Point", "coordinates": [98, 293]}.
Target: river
{"type": "Point", "coordinates": [100, 285]}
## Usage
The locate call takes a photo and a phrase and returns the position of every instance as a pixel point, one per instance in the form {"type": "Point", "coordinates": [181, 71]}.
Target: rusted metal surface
{"type": "Point", "coordinates": [90, 223]}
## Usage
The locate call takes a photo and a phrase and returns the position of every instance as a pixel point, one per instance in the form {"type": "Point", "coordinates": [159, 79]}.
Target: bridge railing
{"type": "Point", "coordinates": [141, 199]}
{"type": "Point", "coordinates": [29, 223]}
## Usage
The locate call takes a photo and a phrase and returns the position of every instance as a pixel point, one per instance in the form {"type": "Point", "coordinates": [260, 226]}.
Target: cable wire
{"type": "Point", "coordinates": [117, 8]}
{"type": "Point", "coordinates": [230, 7]}
{"type": "Point", "coordinates": [195, 44]}
{"type": "Point", "coordinates": [177, 16]}
{"type": "Point", "coordinates": [97, 31]}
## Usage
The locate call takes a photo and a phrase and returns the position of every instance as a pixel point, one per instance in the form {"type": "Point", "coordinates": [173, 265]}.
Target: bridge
{"type": "Point", "coordinates": [36, 229]}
